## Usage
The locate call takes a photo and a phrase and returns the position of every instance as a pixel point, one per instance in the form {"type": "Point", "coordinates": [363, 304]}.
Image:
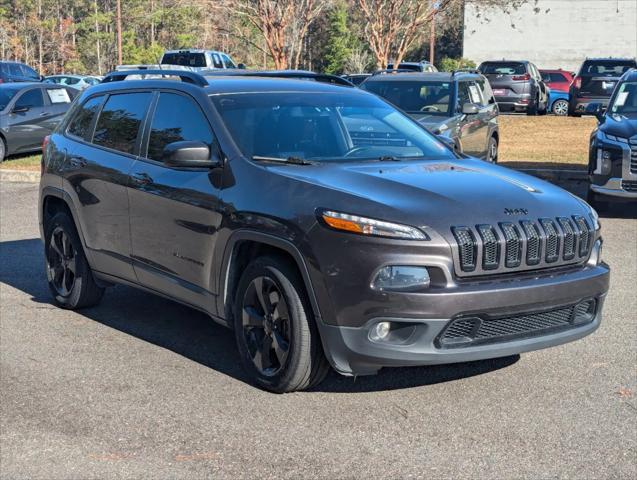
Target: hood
{"type": "Point", "coordinates": [436, 193]}
{"type": "Point", "coordinates": [620, 125]}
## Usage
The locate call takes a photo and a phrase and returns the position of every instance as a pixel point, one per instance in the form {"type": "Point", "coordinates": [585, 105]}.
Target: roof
{"type": "Point", "coordinates": [420, 76]}
{"type": "Point", "coordinates": [251, 84]}
{"type": "Point", "coordinates": [21, 85]}
{"type": "Point", "coordinates": [193, 50]}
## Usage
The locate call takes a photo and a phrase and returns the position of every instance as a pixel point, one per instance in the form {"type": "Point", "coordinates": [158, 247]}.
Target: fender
{"type": "Point", "coordinates": [271, 240]}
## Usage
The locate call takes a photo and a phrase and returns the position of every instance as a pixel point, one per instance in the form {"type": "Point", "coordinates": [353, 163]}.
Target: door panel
{"type": "Point", "coordinates": [97, 177]}
{"type": "Point", "coordinates": [174, 213]}
{"type": "Point", "coordinates": [28, 129]}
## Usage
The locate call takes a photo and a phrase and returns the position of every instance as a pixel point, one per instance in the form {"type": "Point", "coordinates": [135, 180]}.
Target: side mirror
{"type": "Point", "coordinates": [188, 154]}
{"type": "Point", "coordinates": [449, 142]}
{"type": "Point", "coordinates": [470, 109]}
{"type": "Point", "coordinates": [241, 66]}
{"type": "Point", "coordinates": [596, 109]}
{"type": "Point", "coordinates": [20, 109]}
{"type": "Point", "coordinates": [42, 78]}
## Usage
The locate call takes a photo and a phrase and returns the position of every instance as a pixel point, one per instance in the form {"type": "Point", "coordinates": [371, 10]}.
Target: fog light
{"type": "Point", "coordinates": [380, 331]}
{"type": "Point", "coordinates": [401, 278]}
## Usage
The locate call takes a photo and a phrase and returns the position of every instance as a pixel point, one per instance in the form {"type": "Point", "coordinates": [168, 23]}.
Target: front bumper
{"type": "Point", "coordinates": [620, 179]}
{"type": "Point", "coordinates": [351, 352]}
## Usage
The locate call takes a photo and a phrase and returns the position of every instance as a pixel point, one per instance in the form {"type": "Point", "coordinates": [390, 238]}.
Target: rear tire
{"type": "Point", "coordinates": [276, 334]}
{"type": "Point", "coordinates": [69, 275]}
{"type": "Point", "coordinates": [532, 109]}
{"type": "Point", "coordinates": [492, 150]}
{"type": "Point", "coordinates": [560, 108]}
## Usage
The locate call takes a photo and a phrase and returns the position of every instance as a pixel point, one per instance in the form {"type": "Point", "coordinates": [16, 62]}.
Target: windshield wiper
{"type": "Point", "coordinates": [289, 160]}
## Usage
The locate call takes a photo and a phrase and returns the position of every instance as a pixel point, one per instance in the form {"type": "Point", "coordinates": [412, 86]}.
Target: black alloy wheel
{"type": "Point", "coordinates": [266, 325]}
{"type": "Point", "coordinates": [61, 262]}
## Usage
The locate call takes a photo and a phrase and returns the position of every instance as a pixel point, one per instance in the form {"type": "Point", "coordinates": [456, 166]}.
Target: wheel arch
{"type": "Point", "coordinates": [54, 200]}
{"type": "Point", "coordinates": [243, 247]}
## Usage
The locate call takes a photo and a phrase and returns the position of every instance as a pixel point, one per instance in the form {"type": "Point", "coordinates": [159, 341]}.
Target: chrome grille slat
{"type": "Point", "coordinates": [552, 240]}
{"type": "Point", "coordinates": [490, 247]}
{"type": "Point", "coordinates": [513, 245]}
{"type": "Point", "coordinates": [569, 238]}
{"type": "Point", "coordinates": [533, 242]}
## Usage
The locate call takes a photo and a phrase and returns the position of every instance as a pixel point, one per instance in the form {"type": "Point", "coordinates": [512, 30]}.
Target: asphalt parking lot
{"type": "Point", "coordinates": [141, 387]}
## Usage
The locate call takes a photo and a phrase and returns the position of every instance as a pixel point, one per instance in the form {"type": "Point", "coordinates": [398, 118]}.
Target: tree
{"type": "Point", "coordinates": [283, 24]}
{"type": "Point", "coordinates": [338, 48]}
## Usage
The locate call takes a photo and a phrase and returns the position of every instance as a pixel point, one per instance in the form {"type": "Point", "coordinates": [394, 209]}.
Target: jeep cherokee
{"type": "Point", "coordinates": [321, 224]}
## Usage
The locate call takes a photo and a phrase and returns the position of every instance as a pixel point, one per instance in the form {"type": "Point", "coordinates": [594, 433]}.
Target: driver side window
{"type": "Point", "coordinates": [31, 99]}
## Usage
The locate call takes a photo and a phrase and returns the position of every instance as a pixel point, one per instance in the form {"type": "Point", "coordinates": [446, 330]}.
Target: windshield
{"type": "Point", "coordinates": [414, 96]}
{"type": "Point", "coordinates": [502, 68]}
{"type": "Point", "coordinates": [625, 100]}
{"type": "Point", "coordinates": [323, 127]}
{"type": "Point", "coordinates": [6, 94]}
{"type": "Point", "coordinates": [611, 68]}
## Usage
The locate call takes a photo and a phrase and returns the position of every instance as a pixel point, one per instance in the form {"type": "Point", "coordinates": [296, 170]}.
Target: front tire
{"type": "Point", "coordinates": [277, 337]}
{"type": "Point", "coordinates": [3, 149]}
{"type": "Point", "coordinates": [68, 273]}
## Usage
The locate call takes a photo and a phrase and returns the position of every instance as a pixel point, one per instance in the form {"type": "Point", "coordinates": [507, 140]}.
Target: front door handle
{"type": "Point", "coordinates": [77, 162]}
{"type": "Point", "coordinates": [141, 178]}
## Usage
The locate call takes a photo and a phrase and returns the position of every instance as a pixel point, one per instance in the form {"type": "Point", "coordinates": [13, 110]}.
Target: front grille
{"type": "Point", "coordinates": [479, 329]}
{"type": "Point", "coordinates": [629, 185]}
{"type": "Point", "coordinates": [633, 154]}
{"type": "Point", "coordinates": [522, 245]}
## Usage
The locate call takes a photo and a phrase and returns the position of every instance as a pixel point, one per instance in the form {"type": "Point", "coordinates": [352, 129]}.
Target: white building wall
{"type": "Point", "coordinates": [552, 33]}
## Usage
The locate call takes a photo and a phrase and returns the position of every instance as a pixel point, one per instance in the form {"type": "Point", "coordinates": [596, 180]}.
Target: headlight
{"type": "Point", "coordinates": [369, 226]}
{"type": "Point", "coordinates": [595, 219]}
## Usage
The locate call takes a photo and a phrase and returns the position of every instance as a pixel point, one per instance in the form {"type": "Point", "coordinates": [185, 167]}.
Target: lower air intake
{"type": "Point", "coordinates": [479, 330]}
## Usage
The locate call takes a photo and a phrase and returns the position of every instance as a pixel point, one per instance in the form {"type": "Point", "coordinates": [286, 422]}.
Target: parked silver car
{"type": "Point", "coordinates": [79, 82]}
{"type": "Point", "coordinates": [28, 113]}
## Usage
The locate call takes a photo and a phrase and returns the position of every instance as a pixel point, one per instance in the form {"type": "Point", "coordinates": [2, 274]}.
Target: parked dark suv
{"type": "Point", "coordinates": [595, 82]}
{"type": "Point", "coordinates": [266, 203]}
{"type": "Point", "coordinates": [613, 145]}
{"type": "Point", "coordinates": [17, 72]}
{"type": "Point", "coordinates": [458, 106]}
{"type": "Point", "coordinates": [517, 86]}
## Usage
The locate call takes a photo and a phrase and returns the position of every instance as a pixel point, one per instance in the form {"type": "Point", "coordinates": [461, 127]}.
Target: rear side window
{"type": "Point", "coordinates": [14, 69]}
{"type": "Point", "coordinates": [216, 61]}
{"type": "Point", "coordinates": [119, 121]}
{"type": "Point", "coordinates": [83, 119]}
{"type": "Point", "coordinates": [558, 78]}
{"type": "Point", "coordinates": [177, 118]}
{"type": "Point", "coordinates": [503, 68]}
{"type": "Point", "coordinates": [185, 59]}
{"type": "Point", "coordinates": [29, 72]}
{"type": "Point", "coordinates": [31, 99]}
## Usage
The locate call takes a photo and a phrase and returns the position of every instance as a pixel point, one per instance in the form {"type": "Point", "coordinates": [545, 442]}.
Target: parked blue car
{"type": "Point", "coordinates": [558, 102]}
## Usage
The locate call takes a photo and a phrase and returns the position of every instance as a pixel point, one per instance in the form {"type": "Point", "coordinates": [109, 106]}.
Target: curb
{"type": "Point", "coordinates": [7, 175]}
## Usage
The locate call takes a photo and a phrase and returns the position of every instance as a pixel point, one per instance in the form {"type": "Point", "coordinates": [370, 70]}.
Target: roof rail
{"type": "Point", "coordinates": [396, 70]}
{"type": "Point", "coordinates": [465, 70]}
{"type": "Point", "coordinates": [184, 75]}
{"type": "Point", "coordinates": [298, 74]}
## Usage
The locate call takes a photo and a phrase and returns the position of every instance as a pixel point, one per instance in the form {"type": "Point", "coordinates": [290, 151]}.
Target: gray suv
{"type": "Point", "coordinates": [320, 223]}
{"type": "Point", "coordinates": [457, 106]}
{"type": "Point", "coordinates": [517, 86]}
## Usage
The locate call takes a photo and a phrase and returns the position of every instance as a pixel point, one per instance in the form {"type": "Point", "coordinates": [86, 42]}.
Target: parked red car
{"type": "Point", "coordinates": [557, 79]}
